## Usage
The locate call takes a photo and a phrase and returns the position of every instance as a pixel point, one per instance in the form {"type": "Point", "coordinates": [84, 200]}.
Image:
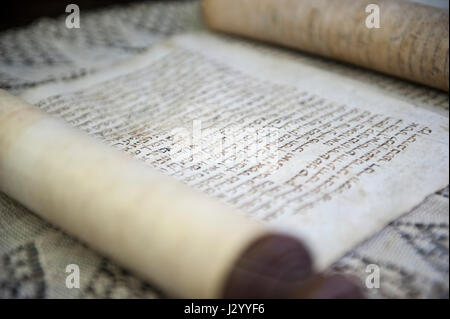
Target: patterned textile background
{"type": "Point", "coordinates": [412, 252]}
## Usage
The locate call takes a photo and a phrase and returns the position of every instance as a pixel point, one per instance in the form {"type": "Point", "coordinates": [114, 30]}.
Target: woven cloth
{"type": "Point", "coordinates": [412, 252]}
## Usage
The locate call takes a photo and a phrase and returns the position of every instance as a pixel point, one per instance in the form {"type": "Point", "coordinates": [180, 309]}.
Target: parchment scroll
{"type": "Point", "coordinates": [412, 41]}
{"type": "Point", "coordinates": [345, 159]}
{"type": "Point", "coordinates": [155, 226]}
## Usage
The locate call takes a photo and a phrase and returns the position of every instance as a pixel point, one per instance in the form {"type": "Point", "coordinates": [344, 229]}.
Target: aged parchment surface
{"type": "Point", "coordinates": [332, 169]}
{"type": "Point", "coordinates": [412, 251]}
{"type": "Point", "coordinates": [146, 221]}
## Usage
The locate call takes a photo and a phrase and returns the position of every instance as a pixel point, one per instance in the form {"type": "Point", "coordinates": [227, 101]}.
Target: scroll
{"type": "Point", "coordinates": [411, 40]}
{"type": "Point", "coordinates": [187, 244]}
{"type": "Point", "coordinates": [215, 168]}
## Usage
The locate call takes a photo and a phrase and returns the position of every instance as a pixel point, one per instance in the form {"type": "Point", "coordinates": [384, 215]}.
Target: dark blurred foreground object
{"type": "Point", "coordinates": [278, 266]}
{"type": "Point", "coordinates": [16, 13]}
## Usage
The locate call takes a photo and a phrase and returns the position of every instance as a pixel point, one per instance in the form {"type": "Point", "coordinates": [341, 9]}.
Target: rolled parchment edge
{"type": "Point", "coordinates": [279, 24]}
{"type": "Point", "coordinates": [187, 244]}
{"type": "Point", "coordinates": [181, 240]}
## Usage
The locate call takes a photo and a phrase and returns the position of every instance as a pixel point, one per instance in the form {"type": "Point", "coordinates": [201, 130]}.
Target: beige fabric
{"type": "Point", "coordinates": [412, 253]}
